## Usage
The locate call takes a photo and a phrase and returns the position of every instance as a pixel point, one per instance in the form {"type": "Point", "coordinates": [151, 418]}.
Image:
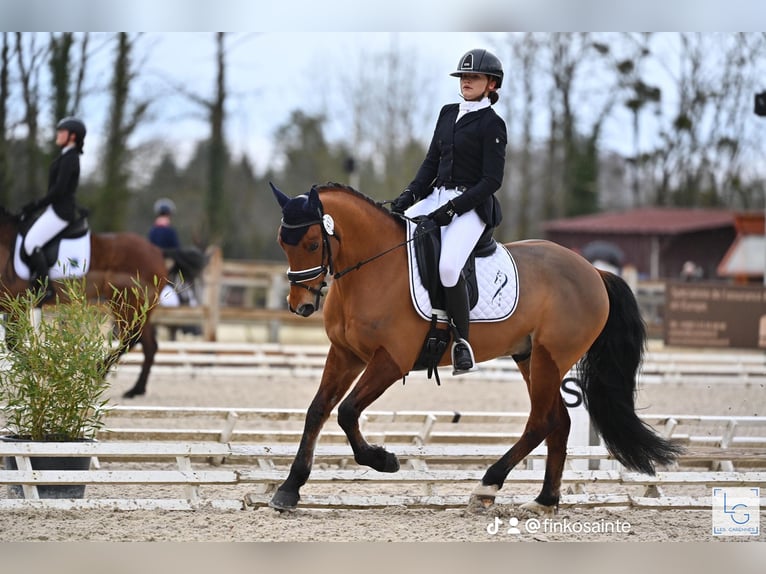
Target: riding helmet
{"type": "Point", "coordinates": [75, 126]}
{"type": "Point", "coordinates": [480, 61]}
{"type": "Point", "coordinates": [164, 206]}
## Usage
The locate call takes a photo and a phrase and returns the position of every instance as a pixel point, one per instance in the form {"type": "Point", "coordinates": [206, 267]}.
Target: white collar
{"type": "Point", "coordinates": [466, 107]}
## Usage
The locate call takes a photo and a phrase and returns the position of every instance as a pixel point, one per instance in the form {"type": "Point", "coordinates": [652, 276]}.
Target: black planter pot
{"type": "Point", "coordinates": [49, 463]}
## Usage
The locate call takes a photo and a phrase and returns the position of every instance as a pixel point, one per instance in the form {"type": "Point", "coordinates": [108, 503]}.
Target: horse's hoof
{"type": "Point", "coordinates": [133, 393]}
{"type": "Point", "coordinates": [378, 458]}
{"type": "Point", "coordinates": [391, 464]}
{"type": "Point", "coordinates": [483, 496]}
{"type": "Point", "coordinates": [539, 509]}
{"type": "Point", "coordinates": [284, 501]}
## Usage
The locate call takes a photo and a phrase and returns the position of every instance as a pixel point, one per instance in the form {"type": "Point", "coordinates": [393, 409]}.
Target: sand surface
{"type": "Point", "coordinates": [391, 524]}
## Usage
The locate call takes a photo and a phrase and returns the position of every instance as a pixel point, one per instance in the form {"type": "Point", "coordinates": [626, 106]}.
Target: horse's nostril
{"type": "Point", "coordinates": [305, 310]}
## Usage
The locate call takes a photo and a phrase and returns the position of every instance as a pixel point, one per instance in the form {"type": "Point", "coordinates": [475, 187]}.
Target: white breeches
{"type": "Point", "coordinates": [43, 230]}
{"type": "Point", "coordinates": [458, 238]}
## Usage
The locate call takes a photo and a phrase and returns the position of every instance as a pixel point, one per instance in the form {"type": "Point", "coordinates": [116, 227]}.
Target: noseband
{"type": "Point", "coordinates": [299, 278]}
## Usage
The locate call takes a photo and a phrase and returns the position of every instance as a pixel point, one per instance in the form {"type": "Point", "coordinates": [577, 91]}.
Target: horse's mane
{"type": "Point", "coordinates": [340, 187]}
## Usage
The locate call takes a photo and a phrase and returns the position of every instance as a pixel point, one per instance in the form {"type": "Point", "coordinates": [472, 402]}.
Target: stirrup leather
{"type": "Point", "coordinates": [473, 368]}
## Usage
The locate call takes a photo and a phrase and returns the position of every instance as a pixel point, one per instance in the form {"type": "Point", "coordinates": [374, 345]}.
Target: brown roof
{"type": "Point", "coordinates": [647, 220]}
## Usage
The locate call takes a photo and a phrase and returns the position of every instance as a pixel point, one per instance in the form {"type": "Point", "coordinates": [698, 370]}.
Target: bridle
{"type": "Point", "coordinates": [327, 227]}
{"type": "Point", "coordinates": [300, 278]}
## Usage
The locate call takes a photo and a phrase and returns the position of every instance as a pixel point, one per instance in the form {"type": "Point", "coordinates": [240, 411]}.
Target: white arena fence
{"type": "Point", "coordinates": [275, 360]}
{"type": "Point", "coordinates": [233, 458]}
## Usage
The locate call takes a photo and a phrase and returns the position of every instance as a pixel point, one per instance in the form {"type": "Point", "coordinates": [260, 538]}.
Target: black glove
{"type": "Point", "coordinates": [401, 203]}
{"type": "Point", "coordinates": [443, 215]}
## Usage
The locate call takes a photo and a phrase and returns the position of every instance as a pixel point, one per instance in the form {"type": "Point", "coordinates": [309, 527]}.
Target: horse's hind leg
{"type": "Point", "coordinates": [148, 339]}
{"type": "Point", "coordinates": [548, 500]}
{"type": "Point", "coordinates": [381, 372]}
{"type": "Point", "coordinates": [341, 368]}
{"type": "Point", "coordinates": [543, 381]}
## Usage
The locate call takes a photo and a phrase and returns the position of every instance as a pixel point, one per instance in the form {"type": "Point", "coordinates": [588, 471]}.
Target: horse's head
{"type": "Point", "coordinates": [304, 236]}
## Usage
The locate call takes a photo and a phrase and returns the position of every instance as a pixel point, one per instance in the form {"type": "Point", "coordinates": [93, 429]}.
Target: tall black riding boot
{"type": "Point", "coordinates": [38, 278]}
{"type": "Point", "coordinates": [457, 309]}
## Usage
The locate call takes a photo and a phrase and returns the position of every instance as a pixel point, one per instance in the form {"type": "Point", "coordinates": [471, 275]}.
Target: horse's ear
{"type": "Point", "coordinates": [281, 197]}
{"type": "Point", "coordinates": [314, 198]}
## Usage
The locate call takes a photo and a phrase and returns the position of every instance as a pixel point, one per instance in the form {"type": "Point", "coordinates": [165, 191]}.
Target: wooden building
{"type": "Point", "coordinates": [657, 241]}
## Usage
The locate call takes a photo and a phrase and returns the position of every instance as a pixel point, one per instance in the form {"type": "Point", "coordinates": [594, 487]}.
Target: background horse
{"type": "Point", "coordinates": [568, 311]}
{"type": "Point", "coordinates": [117, 261]}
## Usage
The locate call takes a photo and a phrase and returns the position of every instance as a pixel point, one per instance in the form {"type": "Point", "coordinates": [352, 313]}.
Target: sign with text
{"type": "Point", "coordinates": [715, 315]}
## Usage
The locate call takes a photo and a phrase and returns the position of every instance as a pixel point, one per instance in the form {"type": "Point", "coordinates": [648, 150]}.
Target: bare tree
{"type": "Point", "coordinates": [215, 109]}
{"type": "Point", "coordinates": [126, 113]}
{"type": "Point", "coordinates": [5, 170]}
{"type": "Point", "coordinates": [703, 138]}
{"type": "Point", "coordinates": [519, 101]}
{"type": "Point", "coordinates": [30, 59]}
{"type": "Point", "coordinates": [67, 72]}
{"type": "Point", "coordinates": [387, 94]}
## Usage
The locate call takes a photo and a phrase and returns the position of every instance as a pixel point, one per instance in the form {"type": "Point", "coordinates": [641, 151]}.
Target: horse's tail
{"type": "Point", "coordinates": [607, 376]}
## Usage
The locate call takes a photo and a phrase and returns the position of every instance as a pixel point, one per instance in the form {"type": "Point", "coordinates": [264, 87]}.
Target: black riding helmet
{"type": "Point", "coordinates": [74, 126]}
{"type": "Point", "coordinates": [479, 61]}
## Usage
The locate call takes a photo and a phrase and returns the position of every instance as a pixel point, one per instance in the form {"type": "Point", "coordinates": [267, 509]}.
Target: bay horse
{"type": "Point", "coordinates": [568, 312]}
{"type": "Point", "coordinates": [119, 263]}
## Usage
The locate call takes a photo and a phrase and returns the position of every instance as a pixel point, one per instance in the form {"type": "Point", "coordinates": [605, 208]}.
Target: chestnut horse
{"type": "Point", "coordinates": [568, 312]}
{"type": "Point", "coordinates": [119, 262]}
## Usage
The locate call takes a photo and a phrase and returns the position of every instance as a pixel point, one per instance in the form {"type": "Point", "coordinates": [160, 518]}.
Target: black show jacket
{"type": "Point", "coordinates": [63, 177]}
{"type": "Point", "coordinates": [468, 153]}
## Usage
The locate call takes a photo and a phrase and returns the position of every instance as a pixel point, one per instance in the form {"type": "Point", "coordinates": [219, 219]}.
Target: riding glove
{"type": "Point", "coordinates": [401, 203]}
{"type": "Point", "coordinates": [443, 215]}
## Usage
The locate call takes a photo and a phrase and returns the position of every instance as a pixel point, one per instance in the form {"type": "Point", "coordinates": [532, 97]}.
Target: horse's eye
{"type": "Point", "coordinates": [314, 246]}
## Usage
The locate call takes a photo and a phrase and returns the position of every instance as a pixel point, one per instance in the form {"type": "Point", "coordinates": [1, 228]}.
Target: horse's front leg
{"type": "Point", "coordinates": [341, 368]}
{"type": "Point", "coordinates": [381, 372]}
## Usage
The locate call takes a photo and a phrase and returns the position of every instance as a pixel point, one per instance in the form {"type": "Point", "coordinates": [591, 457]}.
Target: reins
{"type": "Point", "coordinates": [298, 278]}
{"type": "Point", "coordinates": [364, 262]}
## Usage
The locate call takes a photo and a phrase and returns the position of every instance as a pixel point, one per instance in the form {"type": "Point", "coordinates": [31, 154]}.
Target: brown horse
{"type": "Point", "coordinates": [119, 262]}
{"type": "Point", "coordinates": [567, 312]}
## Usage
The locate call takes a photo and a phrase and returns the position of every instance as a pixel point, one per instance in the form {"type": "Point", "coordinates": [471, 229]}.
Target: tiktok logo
{"type": "Point", "coordinates": [494, 527]}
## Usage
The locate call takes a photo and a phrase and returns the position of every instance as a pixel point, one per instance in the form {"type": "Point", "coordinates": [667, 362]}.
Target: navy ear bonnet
{"type": "Point", "coordinates": [298, 214]}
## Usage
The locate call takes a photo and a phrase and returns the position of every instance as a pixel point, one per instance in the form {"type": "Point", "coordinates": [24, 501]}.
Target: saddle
{"type": "Point", "coordinates": [75, 230]}
{"type": "Point", "coordinates": [427, 248]}
{"type": "Point", "coordinates": [427, 252]}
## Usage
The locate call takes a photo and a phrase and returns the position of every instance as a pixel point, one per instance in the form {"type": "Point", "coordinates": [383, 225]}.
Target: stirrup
{"type": "Point", "coordinates": [473, 368]}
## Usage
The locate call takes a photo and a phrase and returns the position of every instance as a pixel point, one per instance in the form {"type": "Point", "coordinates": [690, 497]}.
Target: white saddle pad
{"type": "Point", "coordinates": [73, 260]}
{"type": "Point", "coordinates": [497, 278]}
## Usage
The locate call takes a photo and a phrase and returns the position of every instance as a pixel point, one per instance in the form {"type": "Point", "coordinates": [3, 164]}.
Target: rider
{"type": "Point", "coordinates": [59, 201]}
{"type": "Point", "coordinates": [162, 233]}
{"type": "Point", "coordinates": [456, 183]}
{"type": "Point", "coordinates": [187, 263]}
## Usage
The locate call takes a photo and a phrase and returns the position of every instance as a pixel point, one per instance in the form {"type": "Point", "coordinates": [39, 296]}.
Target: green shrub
{"type": "Point", "coordinates": [53, 375]}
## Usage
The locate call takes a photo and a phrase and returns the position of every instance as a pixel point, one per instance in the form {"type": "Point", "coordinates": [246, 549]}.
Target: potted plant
{"type": "Point", "coordinates": [53, 372]}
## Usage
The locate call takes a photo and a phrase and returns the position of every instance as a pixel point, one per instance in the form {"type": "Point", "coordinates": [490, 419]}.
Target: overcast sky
{"type": "Point", "coordinates": [273, 73]}
{"type": "Point", "coordinates": [281, 68]}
